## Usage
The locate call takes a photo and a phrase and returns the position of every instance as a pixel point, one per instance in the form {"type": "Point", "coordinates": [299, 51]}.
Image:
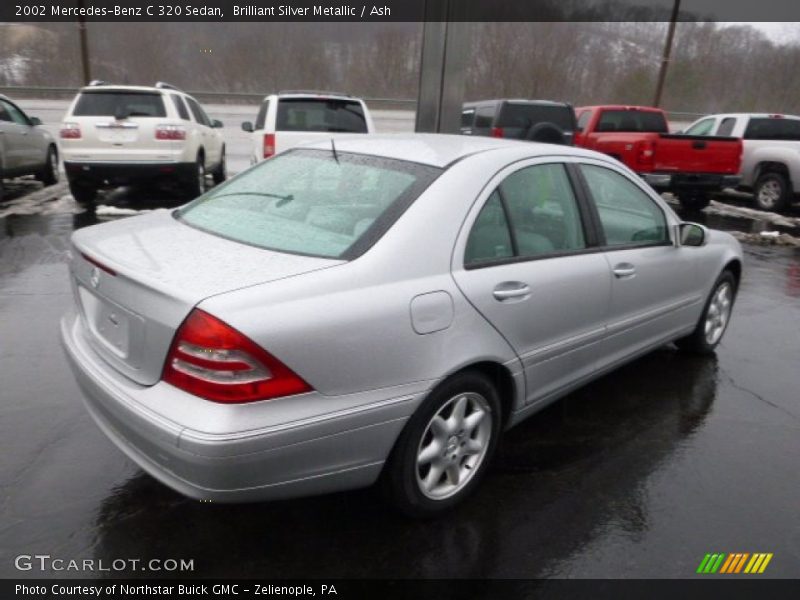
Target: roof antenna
{"type": "Point", "coordinates": [333, 148]}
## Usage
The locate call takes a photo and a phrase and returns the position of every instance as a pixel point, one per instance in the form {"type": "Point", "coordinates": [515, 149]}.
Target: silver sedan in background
{"type": "Point", "coordinates": [25, 147]}
{"type": "Point", "coordinates": [379, 310]}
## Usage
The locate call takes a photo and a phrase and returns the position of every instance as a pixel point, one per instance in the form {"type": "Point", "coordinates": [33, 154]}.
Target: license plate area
{"type": "Point", "coordinates": [117, 134]}
{"type": "Point", "coordinates": [115, 329]}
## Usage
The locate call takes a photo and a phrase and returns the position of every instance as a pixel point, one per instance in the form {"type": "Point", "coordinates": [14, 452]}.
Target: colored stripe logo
{"type": "Point", "coordinates": [738, 562]}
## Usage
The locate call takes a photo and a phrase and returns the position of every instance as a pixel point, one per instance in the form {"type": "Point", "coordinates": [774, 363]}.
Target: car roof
{"type": "Point", "coordinates": [750, 115]}
{"type": "Point", "coordinates": [476, 103]}
{"type": "Point", "coordinates": [621, 107]}
{"type": "Point", "coordinates": [439, 150]}
{"type": "Point", "coordinates": [132, 88]}
{"type": "Point", "coordinates": [313, 95]}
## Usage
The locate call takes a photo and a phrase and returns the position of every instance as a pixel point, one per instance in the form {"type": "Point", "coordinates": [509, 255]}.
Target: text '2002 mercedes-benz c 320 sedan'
{"type": "Point", "coordinates": [379, 311]}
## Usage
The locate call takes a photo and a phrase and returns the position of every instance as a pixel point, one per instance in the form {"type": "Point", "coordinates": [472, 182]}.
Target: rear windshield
{"type": "Point", "coordinates": [311, 114]}
{"type": "Point", "coordinates": [632, 120]}
{"type": "Point", "coordinates": [523, 116]}
{"type": "Point", "coordinates": [308, 202]}
{"type": "Point", "coordinates": [110, 104]}
{"type": "Point", "coordinates": [772, 129]}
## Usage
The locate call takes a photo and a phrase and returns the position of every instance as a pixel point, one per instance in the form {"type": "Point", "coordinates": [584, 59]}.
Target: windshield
{"type": "Point", "coordinates": [110, 104]}
{"type": "Point", "coordinates": [312, 202]}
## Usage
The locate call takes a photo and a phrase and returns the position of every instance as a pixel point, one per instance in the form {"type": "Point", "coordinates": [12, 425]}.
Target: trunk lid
{"type": "Point", "coordinates": [136, 280]}
{"type": "Point", "coordinates": [697, 154]}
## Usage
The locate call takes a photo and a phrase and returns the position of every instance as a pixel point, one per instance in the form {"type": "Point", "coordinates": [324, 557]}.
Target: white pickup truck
{"type": "Point", "coordinates": [771, 158]}
{"type": "Point", "coordinates": [288, 119]}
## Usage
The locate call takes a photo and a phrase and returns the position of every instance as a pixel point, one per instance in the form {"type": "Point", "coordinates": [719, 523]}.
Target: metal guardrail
{"type": "Point", "coordinates": [216, 97]}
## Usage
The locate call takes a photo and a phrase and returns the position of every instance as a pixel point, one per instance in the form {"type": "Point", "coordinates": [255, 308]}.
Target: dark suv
{"type": "Point", "coordinates": [533, 120]}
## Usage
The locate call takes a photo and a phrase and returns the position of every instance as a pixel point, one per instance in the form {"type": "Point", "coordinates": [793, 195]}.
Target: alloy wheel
{"type": "Point", "coordinates": [718, 314]}
{"type": "Point", "coordinates": [453, 446]}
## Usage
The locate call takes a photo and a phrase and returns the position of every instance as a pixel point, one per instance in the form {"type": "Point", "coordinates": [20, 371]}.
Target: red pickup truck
{"type": "Point", "coordinates": [691, 167]}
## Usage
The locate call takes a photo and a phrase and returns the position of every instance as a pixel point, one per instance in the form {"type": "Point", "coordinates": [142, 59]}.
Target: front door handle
{"type": "Point", "coordinates": [624, 271]}
{"type": "Point", "coordinates": [511, 290]}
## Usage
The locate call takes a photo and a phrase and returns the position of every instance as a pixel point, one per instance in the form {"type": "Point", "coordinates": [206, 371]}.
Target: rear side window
{"type": "Point", "coordinates": [583, 120]}
{"type": "Point", "coordinates": [123, 103]}
{"type": "Point", "coordinates": [467, 117]}
{"type": "Point", "coordinates": [308, 202]}
{"type": "Point", "coordinates": [198, 112]}
{"type": "Point", "coordinates": [523, 116]}
{"type": "Point", "coordinates": [726, 127]}
{"type": "Point", "coordinates": [180, 107]}
{"type": "Point", "coordinates": [632, 120]}
{"type": "Point", "coordinates": [773, 129]}
{"type": "Point", "coordinates": [628, 215]}
{"type": "Point", "coordinates": [484, 117]}
{"type": "Point", "coordinates": [533, 213]}
{"type": "Point", "coordinates": [310, 114]}
{"type": "Point", "coordinates": [261, 117]}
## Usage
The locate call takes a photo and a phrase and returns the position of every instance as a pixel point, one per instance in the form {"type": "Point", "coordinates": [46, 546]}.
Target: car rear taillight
{"type": "Point", "coordinates": [70, 131]}
{"type": "Point", "coordinates": [170, 132]}
{"type": "Point", "coordinates": [497, 132]}
{"type": "Point", "coordinates": [269, 145]}
{"type": "Point", "coordinates": [646, 152]}
{"type": "Point", "coordinates": [210, 359]}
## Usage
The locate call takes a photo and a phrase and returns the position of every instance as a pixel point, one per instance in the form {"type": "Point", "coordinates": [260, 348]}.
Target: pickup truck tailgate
{"type": "Point", "coordinates": [697, 154]}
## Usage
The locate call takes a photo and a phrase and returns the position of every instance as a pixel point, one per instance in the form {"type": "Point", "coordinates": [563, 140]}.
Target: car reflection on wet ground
{"type": "Point", "coordinates": [638, 474]}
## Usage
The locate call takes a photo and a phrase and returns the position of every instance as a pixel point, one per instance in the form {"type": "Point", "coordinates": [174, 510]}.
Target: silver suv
{"type": "Point", "coordinates": [25, 147]}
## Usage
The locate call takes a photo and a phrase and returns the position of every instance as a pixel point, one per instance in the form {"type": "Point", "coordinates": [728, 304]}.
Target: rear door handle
{"type": "Point", "coordinates": [624, 270]}
{"type": "Point", "coordinates": [511, 290]}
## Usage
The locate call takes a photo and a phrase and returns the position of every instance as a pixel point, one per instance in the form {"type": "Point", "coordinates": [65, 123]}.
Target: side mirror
{"type": "Point", "coordinates": [35, 121]}
{"type": "Point", "coordinates": [692, 234]}
{"type": "Point", "coordinates": [247, 126]}
{"type": "Point", "coordinates": [217, 124]}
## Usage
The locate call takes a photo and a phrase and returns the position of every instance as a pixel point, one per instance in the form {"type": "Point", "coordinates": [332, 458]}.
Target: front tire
{"type": "Point", "coordinates": [445, 448]}
{"type": "Point", "coordinates": [715, 318]}
{"type": "Point", "coordinates": [49, 173]}
{"type": "Point", "coordinates": [772, 192]}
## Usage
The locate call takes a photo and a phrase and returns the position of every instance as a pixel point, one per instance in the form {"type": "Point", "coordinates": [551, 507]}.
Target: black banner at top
{"type": "Point", "coordinates": [396, 10]}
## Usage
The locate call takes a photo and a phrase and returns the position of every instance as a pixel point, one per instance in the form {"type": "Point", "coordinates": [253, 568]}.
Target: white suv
{"type": "Point", "coordinates": [120, 135]}
{"type": "Point", "coordinates": [288, 119]}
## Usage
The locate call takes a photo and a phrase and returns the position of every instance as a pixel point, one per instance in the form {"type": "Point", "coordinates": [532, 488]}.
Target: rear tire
{"type": "Point", "coordinates": [772, 192]}
{"type": "Point", "coordinates": [84, 195]}
{"type": "Point", "coordinates": [694, 203]}
{"type": "Point", "coordinates": [445, 448]}
{"type": "Point", "coordinates": [715, 318]}
{"type": "Point", "coordinates": [198, 184]}
{"type": "Point", "coordinates": [49, 173]}
{"type": "Point", "coordinates": [220, 172]}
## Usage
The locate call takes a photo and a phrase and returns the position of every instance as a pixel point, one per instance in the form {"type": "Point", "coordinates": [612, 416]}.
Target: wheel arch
{"type": "Point", "coordinates": [735, 267]}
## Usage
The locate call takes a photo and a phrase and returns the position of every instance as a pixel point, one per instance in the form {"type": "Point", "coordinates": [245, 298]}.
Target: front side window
{"type": "Point", "coordinates": [261, 117]}
{"type": "Point", "coordinates": [13, 113]}
{"type": "Point", "coordinates": [532, 213]}
{"type": "Point", "coordinates": [311, 202]}
{"type": "Point", "coordinates": [627, 214]}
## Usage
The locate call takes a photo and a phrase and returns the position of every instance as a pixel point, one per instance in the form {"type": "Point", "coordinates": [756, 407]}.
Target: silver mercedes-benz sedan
{"type": "Point", "coordinates": [379, 310]}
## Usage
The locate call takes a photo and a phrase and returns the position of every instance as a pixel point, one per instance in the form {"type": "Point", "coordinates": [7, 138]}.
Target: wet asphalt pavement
{"type": "Point", "coordinates": [639, 474]}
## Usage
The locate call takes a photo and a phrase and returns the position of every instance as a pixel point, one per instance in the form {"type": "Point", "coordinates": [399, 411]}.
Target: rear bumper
{"type": "Point", "coordinates": [677, 182]}
{"type": "Point", "coordinates": [122, 173]}
{"type": "Point", "coordinates": [330, 452]}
